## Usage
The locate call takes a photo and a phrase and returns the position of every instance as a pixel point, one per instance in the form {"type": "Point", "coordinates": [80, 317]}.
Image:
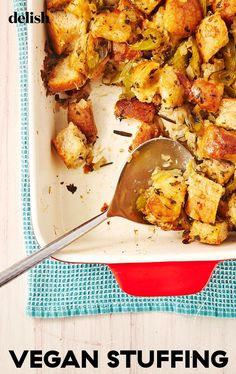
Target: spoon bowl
{"type": "Point", "coordinates": [163, 153]}
{"type": "Point", "coordinates": [159, 152]}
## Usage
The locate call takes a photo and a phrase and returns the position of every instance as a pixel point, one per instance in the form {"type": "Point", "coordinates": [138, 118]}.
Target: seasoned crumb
{"type": "Point", "coordinates": [104, 207]}
{"type": "Point", "coordinates": [88, 168]}
{"type": "Point", "coordinates": [91, 166]}
{"type": "Point", "coordinates": [71, 188]}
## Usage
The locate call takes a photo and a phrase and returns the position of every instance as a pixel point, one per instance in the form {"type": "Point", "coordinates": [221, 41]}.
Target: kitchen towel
{"type": "Point", "coordinates": [59, 290]}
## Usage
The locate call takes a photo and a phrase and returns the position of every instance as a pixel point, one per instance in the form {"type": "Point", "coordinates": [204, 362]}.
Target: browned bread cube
{"type": "Point", "coordinates": [81, 114]}
{"type": "Point", "coordinates": [211, 36]}
{"type": "Point", "coordinates": [232, 209]}
{"type": "Point", "coordinates": [64, 29]}
{"type": "Point", "coordinates": [217, 143]}
{"type": "Point", "coordinates": [112, 26]}
{"type": "Point", "coordinates": [203, 198]}
{"type": "Point", "coordinates": [181, 18]}
{"type": "Point", "coordinates": [133, 108]}
{"type": "Point", "coordinates": [164, 200]}
{"type": "Point", "coordinates": [219, 171]}
{"type": "Point", "coordinates": [227, 114]}
{"type": "Point", "coordinates": [71, 146]}
{"type": "Point", "coordinates": [145, 132]}
{"type": "Point", "coordinates": [207, 95]}
{"type": "Point", "coordinates": [144, 78]}
{"type": "Point", "coordinates": [68, 74]}
{"type": "Point", "coordinates": [171, 88]}
{"type": "Point", "coordinates": [208, 234]}
{"type": "Point", "coordinates": [226, 8]}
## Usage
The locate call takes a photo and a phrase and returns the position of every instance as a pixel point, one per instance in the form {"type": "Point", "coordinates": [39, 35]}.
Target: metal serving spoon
{"type": "Point", "coordinates": [160, 152]}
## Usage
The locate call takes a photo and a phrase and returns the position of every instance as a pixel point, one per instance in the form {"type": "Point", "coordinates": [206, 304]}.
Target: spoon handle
{"type": "Point", "coordinates": [60, 243]}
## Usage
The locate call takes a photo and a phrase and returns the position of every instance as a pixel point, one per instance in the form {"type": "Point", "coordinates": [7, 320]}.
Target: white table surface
{"type": "Point", "coordinates": [128, 331]}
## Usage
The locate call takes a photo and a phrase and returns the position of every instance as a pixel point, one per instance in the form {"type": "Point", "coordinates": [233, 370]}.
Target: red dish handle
{"type": "Point", "coordinates": [163, 278]}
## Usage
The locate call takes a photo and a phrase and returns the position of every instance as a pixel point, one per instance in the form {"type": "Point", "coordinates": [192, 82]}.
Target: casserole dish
{"type": "Point", "coordinates": [145, 260]}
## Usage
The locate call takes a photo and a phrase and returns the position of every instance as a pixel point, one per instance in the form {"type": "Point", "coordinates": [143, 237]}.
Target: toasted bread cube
{"type": "Point", "coordinates": [64, 28]}
{"type": "Point", "coordinates": [207, 95]}
{"type": "Point", "coordinates": [68, 74]}
{"type": "Point", "coordinates": [232, 209]}
{"type": "Point", "coordinates": [209, 234]}
{"type": "Point", "coordinates": [171, 90]}
{"type": "Point", "coordinates": [145, 80]}
{"type": "Point", "coordinates": [203, 198]}
{"type": "Point", "coordinates": [57, 4]}
{"type": "Point", "coordinates": [133, 108]}
{"type": "Point", "coordinates": [81, 8]}
{"type": "Point", "coordinates": [145, 132]}
{"type": "Point", "coordinates": [211, 36]}
{"type": "Point", "coordinates": [112, 26]}
{"type": "Point", "coordinates": [219, 171]}
{"type": "Point", "coordinates": [181, 18]}
{"type": "Point", "coordinates": [217, 143]}
{"type": "Point", "coordinates": [81, 114]}
{"type": "Point", "coordinates": [226, 8]}
{"type": "Point", "coordinates": [146, 6]}
{"type": "Point", "coordinates": [70, 144]}
{"type": "Point", "coordinates": [165, 198]}
{"type": "Point", "coordinates": [227, 114]}
{"type": "Point", "coordinates": [180, 224]}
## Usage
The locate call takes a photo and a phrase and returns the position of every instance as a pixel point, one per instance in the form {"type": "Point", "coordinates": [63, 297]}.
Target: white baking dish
{"type": "Point", "coordinates": [55, 210]}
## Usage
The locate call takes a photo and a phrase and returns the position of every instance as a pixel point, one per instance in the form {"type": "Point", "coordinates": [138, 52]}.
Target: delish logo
{"type": "Point", "coordinates": [28, 17]}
